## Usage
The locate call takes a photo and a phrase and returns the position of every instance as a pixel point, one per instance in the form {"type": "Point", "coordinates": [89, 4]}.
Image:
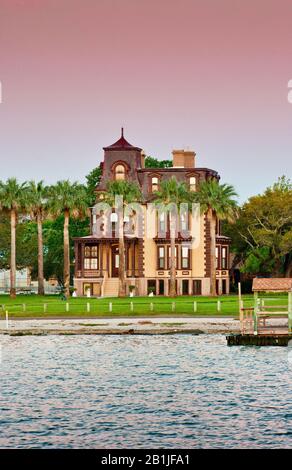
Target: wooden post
{"type": "Point", "coordinates": [255, 314]}
{"type": "Point", "coordinates": [240, 303]}
{"type": "Point", "coordinates": [290, 312]}
{"type": "Point", "coordinates": [195, 306]}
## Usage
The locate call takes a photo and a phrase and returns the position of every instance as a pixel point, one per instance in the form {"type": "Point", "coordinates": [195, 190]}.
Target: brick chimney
{"type": "Point", "coordinates": [183, 158]}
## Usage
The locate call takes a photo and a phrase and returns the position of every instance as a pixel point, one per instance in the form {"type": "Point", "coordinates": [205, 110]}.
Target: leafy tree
{"type": "Point", "coordinates": [12, 202]}
{"type": "Point", "coordinates": [151, 162]}
{"type": "Point", "coordinates": [265, 230]}
{"type": "Point", "coordinates": [53, 245]}
{"type": "Point", "coordinates": [92, 179]}
{"type": "Point", "coordinates": [26, 244]}
{"type": "Point", "coordinates": [130, 193]}
{"type": "Point", "coordinates": [258, 260]}
{"type": "Point", "coordinates": [171, 195]}
{"type": "Point", "coordinates": [70, 200]}
{"type": "Point", "coordinates": [217, 202]}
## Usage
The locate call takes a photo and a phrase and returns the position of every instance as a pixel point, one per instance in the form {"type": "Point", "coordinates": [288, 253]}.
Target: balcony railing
{"type": "Point", "coordinates": [97, 273]}
{"type": "Point", "coordinates": [90, 273]}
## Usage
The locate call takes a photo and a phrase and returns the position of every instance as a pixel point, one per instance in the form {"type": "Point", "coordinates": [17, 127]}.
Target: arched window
{"type": "Point", "coordinates": [120, 172]}
{"type": "Point", "coordinates": [154, 184]}
{"type": "Point", "coordinates": [192, 182]}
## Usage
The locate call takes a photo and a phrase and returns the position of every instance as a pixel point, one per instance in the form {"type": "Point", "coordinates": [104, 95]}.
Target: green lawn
{"type": "Point", "coordinates": [53, 306]}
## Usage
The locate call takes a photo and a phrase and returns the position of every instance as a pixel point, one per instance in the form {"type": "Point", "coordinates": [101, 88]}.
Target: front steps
{"type": "Point", "coordinates": [111, 287]}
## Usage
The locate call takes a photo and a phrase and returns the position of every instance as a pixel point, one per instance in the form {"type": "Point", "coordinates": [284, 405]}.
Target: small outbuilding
{"type": "Point", "coordinates": [263, 312]}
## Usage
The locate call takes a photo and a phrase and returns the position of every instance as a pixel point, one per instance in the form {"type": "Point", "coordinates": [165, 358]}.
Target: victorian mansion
{"type": "Point", "coordinates": [147, 257]}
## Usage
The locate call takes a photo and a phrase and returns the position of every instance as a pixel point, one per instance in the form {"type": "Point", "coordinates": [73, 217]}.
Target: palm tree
{"type": "Point", "coordinates": [12, 201]}
{"type": "Point", "coordinates": [216, 201]}
{"type": "Point", "coordinates": [173, 194]}
{"type": "Point", "coordinates": [36, 204]}
{"type": "Point", "coordinates": [70, 200]}
{"type": "Point", "coordinates": [130, 193]}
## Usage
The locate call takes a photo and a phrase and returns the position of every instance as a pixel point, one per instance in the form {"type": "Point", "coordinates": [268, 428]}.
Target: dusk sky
{"type": "Point", "coordinates": [209, 75]}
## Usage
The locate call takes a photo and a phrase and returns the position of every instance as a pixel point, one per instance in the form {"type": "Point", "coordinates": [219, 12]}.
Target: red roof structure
{"type": "Point", "coordinates": [272, 284]}
{"type": "Point", "coordinates": [122, 144]}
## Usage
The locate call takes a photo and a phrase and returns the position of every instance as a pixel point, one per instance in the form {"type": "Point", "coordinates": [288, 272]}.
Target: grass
{"type": "Point", "coordinates": [31, 306]}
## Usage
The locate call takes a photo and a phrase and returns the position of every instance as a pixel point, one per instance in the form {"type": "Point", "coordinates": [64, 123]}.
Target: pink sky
{"type": "Point", "coordinates": [211, 75]}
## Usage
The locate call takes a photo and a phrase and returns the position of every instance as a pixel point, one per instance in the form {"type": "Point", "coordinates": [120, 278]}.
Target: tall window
{"type": "Point", "coordinates": [184, 216]}
{"type": "Point", "coordinates": [197, 287]}
{"type": "Point", "coordinates": [224, 257]}
{"type": "Point", "coordinates": [120, 172]}
{"type": "Point", "coordinates": [154, 184]}
{"type": "Point", "coordinates": [217, 257]}
{"type": "Point", "coordinates": [175, 257]}
{"type": "Point", "coordinates": [185, 257]}
{"type": "Point", "coordinates": [162, 223]}
{"type": "Point", "coordinates": [161, 257]}
{"type": "Point", "coordinates": [91, 257]}
{"type": "Point", "coordinates": [192, 183]}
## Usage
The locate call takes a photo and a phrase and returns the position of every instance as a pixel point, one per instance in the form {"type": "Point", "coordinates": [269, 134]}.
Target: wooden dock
{"type": "Point", "coordinates": [258, 340]}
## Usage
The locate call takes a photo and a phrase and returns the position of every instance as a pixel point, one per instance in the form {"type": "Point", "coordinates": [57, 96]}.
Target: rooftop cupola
{"type": "Point", "coordinates": [122, 144]}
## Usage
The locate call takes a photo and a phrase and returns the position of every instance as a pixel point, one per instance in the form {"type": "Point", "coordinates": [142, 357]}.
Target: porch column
{"type": "Point", "coordinates": [76, 258]}
{"type": "Point", "coordinates": [133, 259]}
{"type": "Point", "coordinates": [82, 259]}
{"type": "Point", "coordinates": [107, 259]}
{"type": "Point", "coordinates": [101, 258]}
{"type": "Point", "coordinates": [127, 255]}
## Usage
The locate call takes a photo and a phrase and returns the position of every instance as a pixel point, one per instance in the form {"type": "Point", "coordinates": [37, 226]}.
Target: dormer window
{"type": "Point", "coordinates": [154, 184]}
{"type": "Point", "coordinates": [114, 223]}
{"type": "Point", "coordinates": [192, 183]}
{"type": "Point", "coordinates": [120, 172]}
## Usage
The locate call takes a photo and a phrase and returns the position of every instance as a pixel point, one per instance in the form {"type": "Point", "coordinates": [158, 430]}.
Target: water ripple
{"type": "Point", "coordinates": [113, 392]}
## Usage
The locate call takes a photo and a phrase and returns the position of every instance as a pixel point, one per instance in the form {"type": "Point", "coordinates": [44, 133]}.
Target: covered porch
{"type": "Point", "coordinates": [98, 258]}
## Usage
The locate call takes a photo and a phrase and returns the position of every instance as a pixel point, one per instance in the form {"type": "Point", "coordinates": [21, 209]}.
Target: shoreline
{"type": "Point", "coordinates": [120, 326]}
